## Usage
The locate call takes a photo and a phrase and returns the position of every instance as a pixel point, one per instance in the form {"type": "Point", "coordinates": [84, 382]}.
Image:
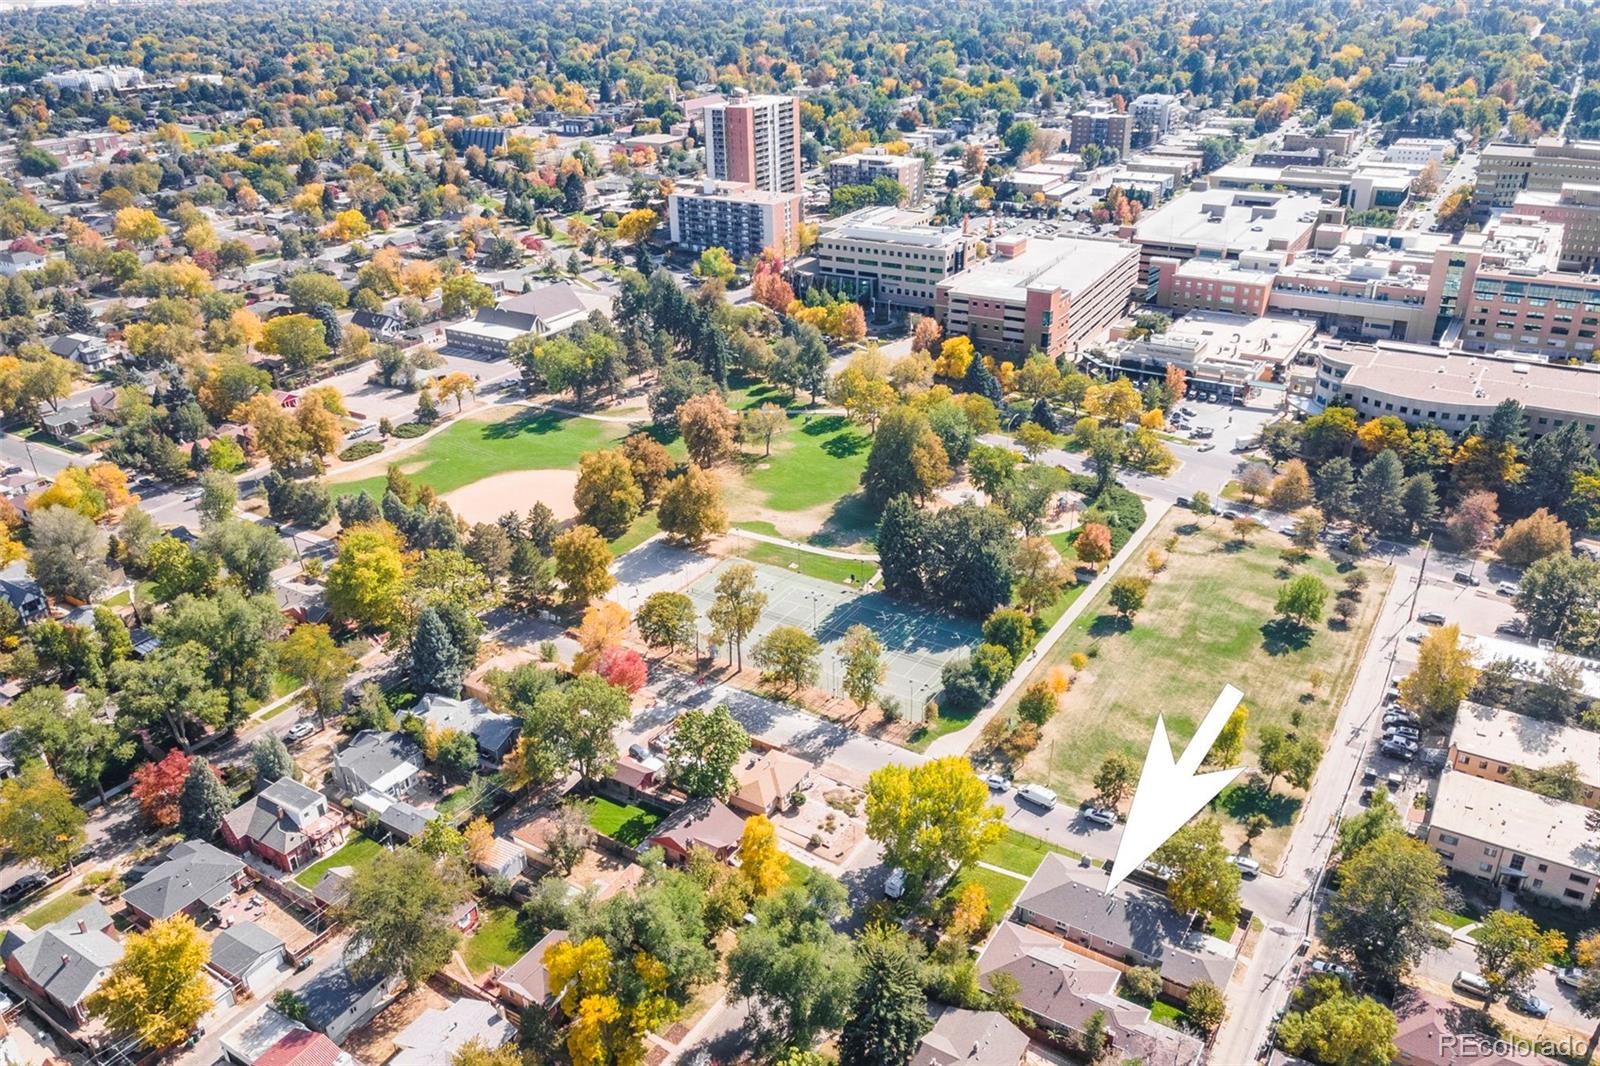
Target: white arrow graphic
{"type": "Point", "coordinates": [1171, 792]}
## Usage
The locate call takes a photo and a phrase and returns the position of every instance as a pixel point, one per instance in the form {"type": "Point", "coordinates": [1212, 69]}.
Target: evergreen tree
{"type": "Point", "coordinates": [356, 509]}
{"type": "Point", "coordinates": [1335, 487]}
{"type": "Point", "coordinates": [204, 802]}
{"type": "Point", "coordinates": [903, 548]}
{"type": "Point", "coordinates": [979, 380]}
{"type": "Point", "coordinates": [271, 760]}
{"type": "Point", "coordinates": [1419, 501]}
{"type": "Point", "coordinates": [435, 659]}
{"type": "Point", "coordinates": [1378, 494]}
{"type": "Point", "coordinates": [332, 331]}
{"type": "Point", "coordinates": [890, 1013]}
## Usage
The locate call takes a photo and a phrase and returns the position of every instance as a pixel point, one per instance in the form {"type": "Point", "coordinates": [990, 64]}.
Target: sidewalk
{"type": "Point", "coordinates": [801, 546]}
{"type": "Point", "coordinates": [958, 742]}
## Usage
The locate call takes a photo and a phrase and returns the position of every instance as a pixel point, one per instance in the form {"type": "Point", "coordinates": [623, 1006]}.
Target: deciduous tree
{"type": "Point", "coordinates": [39, 822]}
{"type": "Point", "coordinates": [704, 748]}
{"type": "Point", "coordinates": [691, 507]}
{"type": "Point", "coordinates": [157, 991]}
{"type": "Point", "coordinates": [931, 817]}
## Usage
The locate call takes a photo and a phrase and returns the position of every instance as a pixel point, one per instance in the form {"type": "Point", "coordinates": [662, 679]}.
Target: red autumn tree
{"type": "Point", "coordinates": [623, 667]}
{"type": "Point", "coordinates": [1093, 545]}
{"type": "Point", "coordinates": [157, 786]}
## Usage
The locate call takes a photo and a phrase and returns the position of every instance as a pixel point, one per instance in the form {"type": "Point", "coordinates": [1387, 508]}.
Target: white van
{"type": "Point", "coordinates": [1038, 795]}
{"type": "Point", "coordinates": [1247, 866]}
{"type": "Point", "coordinates": [1470, 983]}
{"type": "Point", "coordinates": [895, 886]}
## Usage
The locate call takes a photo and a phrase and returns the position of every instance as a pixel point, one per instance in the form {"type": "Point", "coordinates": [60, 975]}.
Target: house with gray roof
{"type": "Point", "coordinates": [248, 956]}
{"type": "Point", "coordinates": [195, 878]}
{"type": "Point", "coordinates": [285, 823]}
{"type": "Point", "coordinates": [1062, 989]}
{"type": "Point", "coordinates": [337, 1003]}
{"type": "Point", "coordinates": [972, 1038]}
{"type": "Point", "coordinates": [542, 312]}
{"type": "Point", "coordinates": [21, 591]}
{"type": "Point", "coordinates": [1129, 926]}
{"type": "Point", "coordinates": [402, 821]}
{"type": "Point", "coordinates": [377, 768]}
{"type": "Point", "coordinates": [437, 1035]}
{"type": "Point", "coordinates": [495, 733]}
{"type": "Point", "coordinates": [63, 963]}
{"type": "Point", "coordinates": [526, 982]}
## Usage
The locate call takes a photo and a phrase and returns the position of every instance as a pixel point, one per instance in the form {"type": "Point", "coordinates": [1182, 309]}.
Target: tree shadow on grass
{"type": "Point", "coordinates": [536, 423]}
{"type": "Point", "coordinates": [1282, 636]}
{"type": "Point", "coordinates": [1253, 797]}
{"type": "Point", "coordinates": [822, 425]}
{"type": "Point", "coordinates": [845, 445]}
{"type": "Point", "coordinates": [1107, 625]}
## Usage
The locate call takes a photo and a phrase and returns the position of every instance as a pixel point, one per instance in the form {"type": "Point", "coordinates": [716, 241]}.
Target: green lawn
{"type": "Point", "coordinates": [644, 527]}
{"type": "Point", "coordinates": [817, 462]}
{"type": "Point", "coordinates": [822, 567]}
{"type": "Point", "coordinates": [1020, 852]}
{"type": "Point", "coordinates": [57, 908]}
{"type": "Point", "coordinates": [1451, 919]}
{"type": "Point", "coordinates": [1167, 1014]}
{"type": "Point", "coordinates": [1003, 889]}
{"type": "Point", "coordinates": [357, 853]}
{"type": "Point", "coordinates": [1208, 620]}
{"type": "Point", "coordinates": [471, 449]}
{"type": "Point", "coordinates": [499, 940]}
{"type": "Point", "coordinates": [746, 392]}
{"type": "Point", "coordinates": [625, 824]}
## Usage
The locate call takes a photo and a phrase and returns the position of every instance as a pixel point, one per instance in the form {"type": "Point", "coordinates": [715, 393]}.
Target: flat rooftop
{"type": "Point", "coordinates": [1520, 740]}
{"type": "Point", "coordinates": [1230, 218]}
{"type": "Point", "coordinates": [1514, 818]}
{"type": "Point", "coordinates": [1429, 374]}
{"type": "Point", "coordinates": [890, 225]}
{"type": "Point", "coordinates": [1071, 264]}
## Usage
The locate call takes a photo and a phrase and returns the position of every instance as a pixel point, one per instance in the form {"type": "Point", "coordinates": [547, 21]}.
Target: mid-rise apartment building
{"type": "Point", "coordinates": [754, 140]}
{"type": "Point", "coordinates": [1418, 151]}
{"type": "Point", "coordinates": [862, 168]}
{"type": "Point", "coordinates": [1100, 123]}
{"type": "Point", "coordinates": [883, 254]}
{"type": "Point", "coordinates": [1155, 115]}
{"type": "Point", "coordinates": [1514, 838]}
{"type": "Point", "coordinates": [1501, 745]}
{"type": "Point", "coordinates": [744, 221]}
{"type": "Point", "coordinates": [1504, 170]}
{"type": "Point", "coordinates": [1053, 294]}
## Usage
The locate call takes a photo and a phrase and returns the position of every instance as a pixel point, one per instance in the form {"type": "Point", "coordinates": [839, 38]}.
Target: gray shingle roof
{"type": "Point", "coordinates": [195, 872]}
{"type": "Point", "coordinates": [371, 755]}
{"type": "Point", "coordinates": [404, 820]}
{"type": "Point", "coordinates": [70, 958]}
{"type": "Point", "coordinates": [236, 950]}
{"type": "Point", "coordinates": [975, 1037]}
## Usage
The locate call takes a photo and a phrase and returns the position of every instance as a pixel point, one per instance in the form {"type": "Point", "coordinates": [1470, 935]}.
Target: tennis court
{"type": "Point", "coordinates": [916, 642]}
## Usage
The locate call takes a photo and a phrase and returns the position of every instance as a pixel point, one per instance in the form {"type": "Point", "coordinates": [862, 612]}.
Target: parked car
{"type": "Point", "coordinates": [997, 782]}
{"type": "Point", "coordinates": [1512, 628]}
{"type": "Point", "coordinates": [1183, 501]}
{"type": "Point", "coordinates": [299, 731]}
{"type": "Point", "coordinates": [1247, 866]}
{"type": "Point", "coordinates": [1529, 1004]}
{"type": "Point", "coordinates": [895, 886]}
{"type": "Point", "coordinates": [1206, 447]}
{"type": "Point", "coordinates": [1101, 816]}
{"type": "Point", "coordinates": [1431, 618]}
{"type": "Point", "coordinates": [1462, 577]}
{"type": "Point", "coordinates": [1571, 976]}
{"type": "Point", "coordinates": [1410, 732]}
{"type": "Point", "coordinates": [1416, 636]}
{"type": "Point", "coordinates": [1507, 588]}
{"type": "Point", "coordinates": [1332, 968]}
{"type": "Point", "coordinates": [1038, 795]}
{"type": "Point", "coordinates": [1471, 983]}
{"type": "Point", "coordinates": [22, 888]}
{"type": "Point", "coordinates": [1403, 750]}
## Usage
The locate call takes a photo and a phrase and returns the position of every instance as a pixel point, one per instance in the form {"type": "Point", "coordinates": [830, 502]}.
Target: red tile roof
{"type": "Point", "coordinates": [301, 1048]}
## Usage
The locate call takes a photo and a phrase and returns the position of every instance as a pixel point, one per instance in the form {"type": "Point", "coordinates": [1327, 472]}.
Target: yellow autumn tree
{"type": "Point", "coordinates": [157, 991]}
{"type": "Point", "coordinates": [762, 864]}
{"type": "Point", "coordinates": [603, 626]}
{"type": "Point", "coordinates": [955, 355]}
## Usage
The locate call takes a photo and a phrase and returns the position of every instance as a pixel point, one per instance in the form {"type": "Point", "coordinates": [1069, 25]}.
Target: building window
{"type": "Point", "coordinates": [1446, 838]}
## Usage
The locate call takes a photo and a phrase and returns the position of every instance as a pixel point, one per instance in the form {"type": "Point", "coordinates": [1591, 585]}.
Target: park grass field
{"type": "Point", "coordinates": [1206, 622]}
{"type": "Point", "coordinates": [809, 487]}
{"type": "Point", "coordinates": [473, 448]}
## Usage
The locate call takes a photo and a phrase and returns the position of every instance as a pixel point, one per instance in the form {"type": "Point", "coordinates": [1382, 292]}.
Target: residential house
{"type": "Point", "coordinates": [526, 983]}
{"type": "Point", "coordinates": [286, 823]}
{"type": "Point", "coordinates": [259, 1032]}
{"type": "Point", "coordinates": [701, 823]}
{"type": "Point", "coordinates": [1430, 1031]}
{"type": "Point", "coordinates": [437, 1035]}
{"type": "Point", "coordinates": [337, 1003]}
{"type": "Point", "coordinates": [633, 778]}
{"type": "Point", "coordinates": [195, 878]}
{"type": "Point", "coordinates": [377, 768]}
{"type": "Point", "coordinates": [764, 782]}
{"type": "Point", "coordinates": [248, 957]}
{"type": "Point", "coordinates": [13, 263]}
{"type": "Point", "coordinates": [542, 312]}
{"type": "Point", "coordinates": [92, 352]}
{"type": "Point", "coordinates": [381, 327]}
{"type": "Point", "coordinates": [495, 733]}
{"type": "Point", "coordinates": [402, 821]}
{"type": "Point", "coordinates": [1129, 927]}
{"type": "Point", "coordinates": [305, 1048]}
{"type": "Point", "coordinates": [972, 1038]}
{"type": "Point", "coordinates": [301, 602]}
{"type": "Point", "coordinates": [333, 886]}
{"type": "Point", "coordinates": [63, 963]}
{"type": "Point", "coordinates": [22, 592]}
{"type": "Point", "coordinates": [1062, 989]}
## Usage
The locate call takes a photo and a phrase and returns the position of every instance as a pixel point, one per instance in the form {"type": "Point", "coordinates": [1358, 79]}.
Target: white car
{"type": "Point", "coordinates": [1507, 588]}
{"type": "Point", "coordinates": [1247, 866]}
{"type": "Point", "coordinates": [895, 886]}
{"type": "Point", "coordinates": [1571, 976]}
{"type": "Point", "coordinates": [1101, 816]}
{"type": "Point", "coordinates": [299, 731]}
{"type": "Point", "coordinates": [997, 782]}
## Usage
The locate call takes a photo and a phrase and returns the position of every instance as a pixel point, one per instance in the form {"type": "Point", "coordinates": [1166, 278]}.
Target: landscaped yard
{"type": "Point", "coordinates": [57, 908]}
{"type": "Point", "coordinates": [1003, 889]}
{"type": "Point", "coordinates": [474, 448]}
{"type": "Point", "coordinates": [1207, 621]}
{"type": "Point", "coordinates": [357, 853]}
{"type": "Point", "coordinates": [625, 824]}
{"type": "Point", "coordinates": [1020, 852]}
{"type": "Point", "coordinates": [499, 940]}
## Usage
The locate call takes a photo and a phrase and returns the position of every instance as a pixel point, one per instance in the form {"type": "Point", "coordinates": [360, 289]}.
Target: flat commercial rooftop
{"type": "Point", "coordinates": [1463, 379]}
{"type": "Point", "coordinates": [1071, 264]}
{"type": "Point", "coordinates": [1236, 219]}
{"type": "Point", "coordinates": [1516, 818]}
